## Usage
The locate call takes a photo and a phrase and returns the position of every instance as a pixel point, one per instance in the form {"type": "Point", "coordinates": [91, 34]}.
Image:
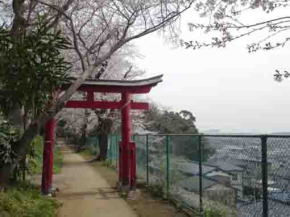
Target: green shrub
{"type": "Point", "coordinates": [35, 159]}
{"type": "Point", "coordinates": [57, 161]}
{"type": "Point", "coordinates": [25, 201]}
{"type": "Point", "coordinates": [8, 137]}
{"type": "Point", "coordinates": [213, 213]}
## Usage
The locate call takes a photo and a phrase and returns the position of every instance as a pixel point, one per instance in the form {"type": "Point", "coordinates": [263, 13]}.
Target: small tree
{"type": "Point", "coordinates": [31, 71]}
{"type": "Point", "coordinates": [169, 122]}
{"type": "Point", "coordinates": [32, 68]}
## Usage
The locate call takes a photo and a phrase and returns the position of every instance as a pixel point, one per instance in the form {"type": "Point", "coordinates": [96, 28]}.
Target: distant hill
{"type": "Point", "coordinates": [211, 131]}
{"type": "Point", "coordinates": [236, 132]}
{"type": "Point", "coordinates": [281, 133]}
{"type": "Point", "coordinates": [217, 131]}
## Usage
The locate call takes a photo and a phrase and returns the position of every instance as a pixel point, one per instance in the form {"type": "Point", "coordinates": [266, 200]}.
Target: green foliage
{"type": "Point", "coordinates": [213, 213]}
{"type": "Point", "coordinates": [32, 67]}
{"type": "Point", "coordinates": [106, 163]}
{"type": "Point", "coordinates": [25, 201]}
{"type": "Point", "coordinates": [35, 158]}
{"type": "Point", "coordinates": [252, 191]}
{"type": "Point", "coordinates": [183, 122]}
{"type": "Point", "coordinates": [157, 190]}
{"type": "Point", "coordinates": [58, 161]}
{"type": "Point", "coordinates": [170, 122]}
{"type": "Point", "coordinates": [86, 152]}
{"type": "Point", "coordinates": [8, 137]}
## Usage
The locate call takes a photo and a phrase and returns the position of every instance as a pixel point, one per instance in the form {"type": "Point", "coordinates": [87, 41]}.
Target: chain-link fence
{"type": "Point", "coordinates": [216, 175]}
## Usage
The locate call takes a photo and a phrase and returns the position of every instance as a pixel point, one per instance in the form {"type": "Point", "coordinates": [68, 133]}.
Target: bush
{"type": "Point", "coordinates": [213, 213]}
{"type": "Point", "coordinates": [35, 159]}
{"type": "Point", "coordinates": [25, 201]}
{"type": "Point", "coordinates": [8, 137]}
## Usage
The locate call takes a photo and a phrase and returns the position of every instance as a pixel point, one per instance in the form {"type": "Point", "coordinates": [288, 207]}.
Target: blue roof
{"type": "Point", "coordinates": [282, 196]}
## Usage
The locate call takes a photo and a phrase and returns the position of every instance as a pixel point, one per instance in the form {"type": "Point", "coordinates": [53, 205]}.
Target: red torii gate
{"type": "Point", "coordinates": [127, 149]}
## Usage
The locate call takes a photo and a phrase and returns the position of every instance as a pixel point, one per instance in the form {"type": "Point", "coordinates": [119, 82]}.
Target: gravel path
{"type": "Point", "coordinates": [85, 193]}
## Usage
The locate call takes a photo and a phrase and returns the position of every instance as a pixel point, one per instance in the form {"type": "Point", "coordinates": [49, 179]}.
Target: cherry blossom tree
{"type": "Point", "coordinates": [97, 29]}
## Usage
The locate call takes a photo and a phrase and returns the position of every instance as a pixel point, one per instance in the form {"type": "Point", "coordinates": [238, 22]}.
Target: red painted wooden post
{"type": "Point", "coordinates": [120, 162]}
{"type": "Point", "coordinates": [133, 166]}
{"type": "Point", "coordinates": [126, 138]}
{"type": "Point", "coordinates": [47, 169]}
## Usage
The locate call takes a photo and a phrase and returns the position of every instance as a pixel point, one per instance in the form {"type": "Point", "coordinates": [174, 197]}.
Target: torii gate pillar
{"type": "Point", "coordinates": [124, 173]}
{"type": "Point", "coordinates": [47, 167]}
{"type": "Point", "coordinates": [127, 155]}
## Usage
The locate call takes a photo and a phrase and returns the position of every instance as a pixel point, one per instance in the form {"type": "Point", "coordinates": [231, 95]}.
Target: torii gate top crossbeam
{"type": "Point", "coordinates": [120, 86]}
{"type": "Point", "coordinates": [113, 86]}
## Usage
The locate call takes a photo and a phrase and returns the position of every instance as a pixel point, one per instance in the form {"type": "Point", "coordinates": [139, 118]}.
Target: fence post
{"type": "Point", "coordinates": [264, 175]}
{"type": "Point", "coordinates": [200, 153]}
{"type": "Point", "coordinates": [167, 167]}
{"type": "Point", "coordinates": [109, 151]}
{"type": "Point", "coordinates": [117, 150]}
{"type": "Point", "coordinates": [112, 150]}
{"type": "Point", "coordinates": [147, 159]}
{"type": "Point", "coordinates": [97, 146]}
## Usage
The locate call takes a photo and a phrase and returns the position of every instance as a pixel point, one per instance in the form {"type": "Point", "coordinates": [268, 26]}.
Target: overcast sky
{"type": "Point", "coordinates": [227, 89]}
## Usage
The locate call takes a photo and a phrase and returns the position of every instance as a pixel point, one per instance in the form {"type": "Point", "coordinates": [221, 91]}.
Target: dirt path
{"type": "Point", "coordinates": [85, 193]}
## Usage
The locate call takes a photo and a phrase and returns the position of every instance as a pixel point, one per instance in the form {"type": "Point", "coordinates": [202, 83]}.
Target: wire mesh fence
{"type": "Point", "coordinates": [92, 143]}
{"type": "Point", "coordinates": [215, 175]}
{"type": "Point", "coordinates": [113, 150]}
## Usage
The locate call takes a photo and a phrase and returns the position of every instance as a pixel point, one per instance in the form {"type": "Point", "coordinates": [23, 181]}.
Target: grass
{"type": "Point", "coordinates": [86, 153]}
{"type": "Point", "coordinates": [24, 200]}
{"type": "Point", "coordinates": [35, 162]}
{"type": "Point", "coordinates": [58, 160]}
{"type": "Point", "coordinates": [214, 213]}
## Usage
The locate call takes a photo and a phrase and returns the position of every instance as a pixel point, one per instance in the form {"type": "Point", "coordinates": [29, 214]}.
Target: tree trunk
{"type": "Point", "coordinates": [15, 117]}
{"type": "Point", "coordinates": [82, 141]}
{"type": "Point", "coordinates": [26, 139]}
{"type": "Point", "coordinates": [103, 144]}
{"type": "Point", "coordinates": [20, 149]}
{"type": "Point", "coordinates": [84, 129]}
{"type": "Point", "coordinates": [104, 130]}
{"type": "Point", "coordinates": [4, 176]}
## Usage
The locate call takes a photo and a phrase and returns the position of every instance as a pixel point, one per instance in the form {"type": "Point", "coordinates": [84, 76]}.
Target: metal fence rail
{"type": "Point", "coordinates": [215, 175]}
